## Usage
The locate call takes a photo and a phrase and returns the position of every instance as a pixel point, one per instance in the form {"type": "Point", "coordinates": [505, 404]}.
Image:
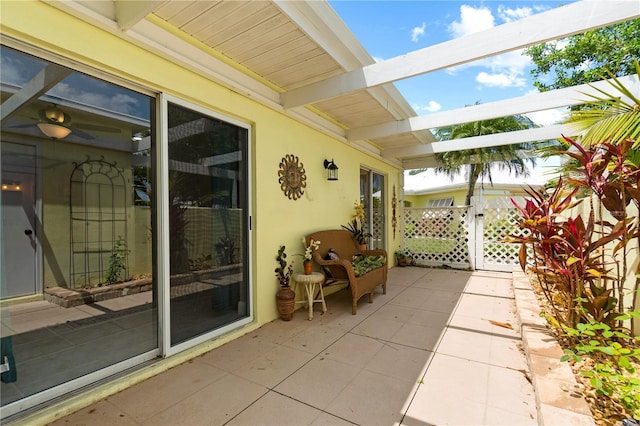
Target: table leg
{"type": "Point", "coordinates": [310, 290]}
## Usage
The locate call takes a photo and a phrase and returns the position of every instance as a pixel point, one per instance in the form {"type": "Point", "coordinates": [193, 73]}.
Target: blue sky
{"type": "Point", "coordinates": [392, 28]}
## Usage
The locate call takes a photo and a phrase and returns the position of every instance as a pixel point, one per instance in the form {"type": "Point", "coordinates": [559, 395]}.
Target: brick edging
{"type": "Point", "coordinates": [558, 397]}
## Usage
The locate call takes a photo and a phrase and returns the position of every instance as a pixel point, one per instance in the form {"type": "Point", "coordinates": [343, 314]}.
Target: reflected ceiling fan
{"type": "Point", "coordinates": [54, 123]}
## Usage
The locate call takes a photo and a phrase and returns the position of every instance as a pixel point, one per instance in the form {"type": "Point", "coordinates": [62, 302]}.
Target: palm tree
{"type": "Point", "coordinates": [479, 162]}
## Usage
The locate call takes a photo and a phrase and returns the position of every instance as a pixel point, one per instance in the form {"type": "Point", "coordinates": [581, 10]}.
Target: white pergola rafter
{"type": "Point", "coordinates": [519, 105]}
{"type": "Point", "coordinates": [130, 12]}
{"type": "Point", "coordinates": [576, 18]}
{"type": "Point", "coordinates": [484, 141]}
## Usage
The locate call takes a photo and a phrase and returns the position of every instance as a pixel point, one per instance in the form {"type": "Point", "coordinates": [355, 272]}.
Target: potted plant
{"type": "Point", "coordinates": [285, 296]}
{"type": "Point", "coordinates": [356, 226]}
{"type": "Point", "coordinates": [307, 263]}
{"type": "Point", "coordinates": [403, 259]}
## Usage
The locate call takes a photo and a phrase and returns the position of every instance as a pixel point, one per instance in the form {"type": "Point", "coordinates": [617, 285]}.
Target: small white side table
{"type": "Point", "coordinates": [310, 282]}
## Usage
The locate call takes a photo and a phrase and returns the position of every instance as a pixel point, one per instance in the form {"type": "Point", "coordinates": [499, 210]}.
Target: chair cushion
{"type": "Point", "coordinates": [363, 264]}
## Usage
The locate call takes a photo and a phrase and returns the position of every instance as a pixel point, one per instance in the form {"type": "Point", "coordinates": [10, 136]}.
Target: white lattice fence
{"type": "Point", "coordinates": [437, 236]}
{"type": "Point", "coordinates": [500, 219]}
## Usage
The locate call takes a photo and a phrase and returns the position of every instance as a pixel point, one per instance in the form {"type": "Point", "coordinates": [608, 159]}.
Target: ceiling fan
{"type": "Point", "coordinates": [54, 123]}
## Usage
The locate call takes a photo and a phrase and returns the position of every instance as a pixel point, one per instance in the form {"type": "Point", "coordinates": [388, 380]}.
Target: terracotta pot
{"type": "Point", "coordinates": [363, 247]}
{"type": "Point", "coordinates": [308, 267]}
{"type": "Point", "coordinates": [286, 299]}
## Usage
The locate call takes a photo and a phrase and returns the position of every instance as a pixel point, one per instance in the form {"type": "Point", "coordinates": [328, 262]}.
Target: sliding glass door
{"type": "Point", "coordinates": [372, 196]}
{"type": "Point", "coordinates": [208, 222]}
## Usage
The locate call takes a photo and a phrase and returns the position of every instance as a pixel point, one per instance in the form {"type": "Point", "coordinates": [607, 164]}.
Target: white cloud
{"type": "Point", "coordinates": [472, 20]}
{"type": "Point", "coordinates": [118, 102]}
{"type": "Point", "coordinates": [431, 106]}
{"type": "Point", "coordinates": [500, 80]}
{"type": "Point", "coordinates": [418, 32]}
{"type": "Point", "coordinates": [508, 14]}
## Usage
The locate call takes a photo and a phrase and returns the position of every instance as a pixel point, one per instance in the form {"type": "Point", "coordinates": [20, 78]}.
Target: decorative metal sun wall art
{"type": "Point", "coordinates": [292, 177]}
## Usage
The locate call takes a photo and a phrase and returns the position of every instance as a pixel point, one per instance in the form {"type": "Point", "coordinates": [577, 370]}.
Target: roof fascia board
{"type": "Point", "coordinates": [128, 12]}
{"type": "Point", "coordinates": [570, 19]}
{"type": "Point", "coordinates": [519, 105]}
{"type": "Point", "coordinates": [484, 141]}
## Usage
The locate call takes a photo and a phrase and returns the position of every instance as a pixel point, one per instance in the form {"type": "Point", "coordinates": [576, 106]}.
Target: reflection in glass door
{"type": "Point", "coordinates": [207, 223]}
{"type": "Point", "coordinates": [19, 220]}
{"type": "Point", "coordinates": [372, 196]}
{"type": "Point", "coordinates": [89, 310]}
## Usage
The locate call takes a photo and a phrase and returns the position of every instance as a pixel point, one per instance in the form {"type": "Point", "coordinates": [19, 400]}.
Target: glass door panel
{"type": "Point", "coordinates": [207, 223]}
{"type": "Point", "coordinates": [83, 233]}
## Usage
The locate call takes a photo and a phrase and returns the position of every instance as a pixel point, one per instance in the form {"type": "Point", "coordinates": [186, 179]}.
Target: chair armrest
{"type": "Point", "coordinates": [339, 263]}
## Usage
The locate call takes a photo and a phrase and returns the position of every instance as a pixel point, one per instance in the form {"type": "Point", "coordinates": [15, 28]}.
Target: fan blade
{"type": "Point", "coordinates": [98, 128]}
{"type": "Point", "coordinates": [81, 134]}
{"type": "Point", "coordinates": [21, 126]}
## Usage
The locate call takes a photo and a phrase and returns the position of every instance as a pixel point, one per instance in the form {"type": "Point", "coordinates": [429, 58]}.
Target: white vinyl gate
{"type": "Point", "coordinates": [463, 237]}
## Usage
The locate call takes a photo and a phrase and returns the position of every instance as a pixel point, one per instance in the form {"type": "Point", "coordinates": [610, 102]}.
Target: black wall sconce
{"type": "Point", "coordinates": [332, 170]}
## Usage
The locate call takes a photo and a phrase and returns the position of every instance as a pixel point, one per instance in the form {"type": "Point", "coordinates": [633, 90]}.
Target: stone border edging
{"type": "Point", "coordinates": [558, 399]}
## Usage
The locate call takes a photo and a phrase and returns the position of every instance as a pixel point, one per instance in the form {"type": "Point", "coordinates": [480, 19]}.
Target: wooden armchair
{"type": "Point", "coordinates": [361, 282]}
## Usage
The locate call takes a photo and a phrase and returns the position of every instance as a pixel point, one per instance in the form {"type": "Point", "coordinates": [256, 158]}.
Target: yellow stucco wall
{"type": "Point", "coordinates": [276, 219]}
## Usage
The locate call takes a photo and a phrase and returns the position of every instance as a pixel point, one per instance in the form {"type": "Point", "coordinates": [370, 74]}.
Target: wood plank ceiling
{"type": "Point", "coordinates": [258, 36]}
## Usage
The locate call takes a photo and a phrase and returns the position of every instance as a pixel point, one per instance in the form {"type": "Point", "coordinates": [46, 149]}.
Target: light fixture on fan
{"type": "Point", "coordinates": [53, 123]}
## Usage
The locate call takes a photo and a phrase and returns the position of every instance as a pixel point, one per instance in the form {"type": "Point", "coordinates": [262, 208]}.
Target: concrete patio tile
{"type": "Point", "coordinates": [353, 349]}
{"type": "Point", "coordinates": [412, 297]}
{"type": "Point", "coordinates": [276, 410]}
{"type": "Point", "coordinates": [319, 382]}
{"type": "Point", "coordinates": [326, 419]}
{"type": "Point", "coordinates": [393, 312]}
{"type": "Point", "coordinates": [483, 347]}
{"type": "Point", "coordinates": [102, 413]}
{"type": "Point", "coordinates": [511, 391]}
{"type": "Point", "coordinates": [505, 328]}
{"type": "Point", "coordinates": [406, 276]}
{"type": "Point", "coordinates": [215, 404]}
{"type": "Point", "coordinates": [239, 352]}
{"type": "Point", "coordinates": [401, 362]}
{"type": "Point", "coordinates": [497, 417]}
{"type": "Point", "coordinates": [430, 409]}
{"type": "Point", "coordinates": [454, 382]}
{"type": "Point", "coordinates": [339, 317]}
{"type": "Point", "coordinates": [418, 336]}
{"type": "Point", "coordinates": [489, 287]}
{"type": "Point", "coordinates": [146, 399]}
{"type": "Point", "coordinates": [377, 329]}
{"type": "Point", "coordinates": [315, 339]}
{"type": "Point", "coordinates": [268, 369]}
{"type": "Point", "coordinates": [487, 307]}
{"type": "Point", "coordinates": [441, 301]}
{"type": "Point", "coordinates": [455, 281]}
{"type": "Point", "coordinates": [372, 399]}
{"type": "Point", "coordinates": [431, 319]}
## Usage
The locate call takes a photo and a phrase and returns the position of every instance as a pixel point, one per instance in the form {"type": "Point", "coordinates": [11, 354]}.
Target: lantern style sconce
{"type": "Point", "coordinates": [332, 170]}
